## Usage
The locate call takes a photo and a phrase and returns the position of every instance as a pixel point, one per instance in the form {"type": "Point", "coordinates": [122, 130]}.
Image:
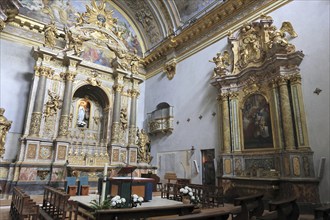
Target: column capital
{"type": "Point", "coordinates": [118, 87]}
{"type": "Point", "coordinates": [282, 80]}
{"type": "Point", "coordinates": [43, 71]}
{"type": "Point", "coordinates": [295, 79]}
{"type": "Point", "coordinates": [69, 75]}
{"type": "Point", "coordinates": [133, 92]}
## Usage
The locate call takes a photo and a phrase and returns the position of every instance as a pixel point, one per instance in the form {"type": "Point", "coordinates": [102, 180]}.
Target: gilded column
{"type": "Point", "coordinates": [67, 98]}
{"type": "Point", "coordinates": [132, 120]}
{"type": "Point", "coordinates": [225, 123]}
{"type": "Point", "coordinates": [299, 111]}
{"type": "Point", "coordinates": [43, 72]}
{"type": "Point", "coordinates": [118, 88]}
{"type": "Point", "coordinates": [286, 113]}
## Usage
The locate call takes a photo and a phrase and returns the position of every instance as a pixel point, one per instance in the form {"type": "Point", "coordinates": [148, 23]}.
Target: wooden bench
{"type": "Point", "coordinates": [56, 205]}
{"type": "Point", "coordinates": [322, 213]}
{"type": "Point", "coordinates": [143, 212]}
{"type": "Point", "coordinates": [286, 209]}
{"type": "Point", "coordinates": [213, 215]}
{"type": "Point", "coordinates": [22, 206]}
{"type": "Point", "coordinates": [251, 206]}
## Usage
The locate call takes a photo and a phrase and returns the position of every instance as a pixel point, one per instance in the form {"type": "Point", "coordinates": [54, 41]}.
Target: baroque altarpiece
{"type": "Point", "coordinates": [264, 145]}
{"type": "Point", "coordinates": [81, 115]}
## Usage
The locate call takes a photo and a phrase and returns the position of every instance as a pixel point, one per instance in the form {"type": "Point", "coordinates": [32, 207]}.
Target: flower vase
{"type": "Point", "coordinates": [185, 199]}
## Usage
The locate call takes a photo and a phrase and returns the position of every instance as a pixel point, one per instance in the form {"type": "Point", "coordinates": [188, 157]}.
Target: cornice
{"type": "Point", "coordinates": [208, 30]}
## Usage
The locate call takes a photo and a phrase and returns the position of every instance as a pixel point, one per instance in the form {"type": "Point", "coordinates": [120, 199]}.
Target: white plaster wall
{"type": "Point", "coordinates": [16, 74]}
{"type": "Point", "coordinates": [140, 106]}
{"type": "Point", "coordinates": [191, 94]}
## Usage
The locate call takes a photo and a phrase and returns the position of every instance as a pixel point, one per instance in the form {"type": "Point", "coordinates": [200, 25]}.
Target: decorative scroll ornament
{"type": "Point", "coordinates": [254, 43]}
{"type": "Point", "coordinates": [170, 68]}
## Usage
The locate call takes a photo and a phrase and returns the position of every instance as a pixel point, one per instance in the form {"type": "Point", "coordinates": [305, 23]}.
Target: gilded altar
{"type": "Point", "coordinates": [82, 108]}
{"type": "Point", "coordinates": [264, 141]}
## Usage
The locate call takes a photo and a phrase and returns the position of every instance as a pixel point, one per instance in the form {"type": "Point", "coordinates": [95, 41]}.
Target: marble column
{"type": "Point", "coordinates": [235, 131]}
{"type": "Point", "coordinates": [278, 141]}
{"type": "Point", "coordinates": [225, 123]}
{"type": "Point", "coordinates": [67, 98]}
{"type": "Point", "coordinates": [132, 120]}
{"type": "Point", "coordinates": [286, 114]}
{"type": "Point", "coordinates": [299, 111]}
{"type": "Point", "coordinates": [43, 72]}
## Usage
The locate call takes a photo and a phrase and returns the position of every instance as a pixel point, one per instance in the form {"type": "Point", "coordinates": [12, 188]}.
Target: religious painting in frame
{"type": "Point", "coordinates": [257, 129]}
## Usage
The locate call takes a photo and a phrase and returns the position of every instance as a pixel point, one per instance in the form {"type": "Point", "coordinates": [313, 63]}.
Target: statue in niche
{"type": "Point", "coordinates": [123, 118]}
{"type": "Point", "coordinates": [50, 35]}
{"type": "Point", "coordinates": [144, 147]}
{"type": "Point", "coordinates": [222, 62]}
{"type": "Point", "coordinates": [83, 113]}
{"type": "Point", "coordinates": [5, 125]}
{"type": "Point", "coordinates": [53, 104]}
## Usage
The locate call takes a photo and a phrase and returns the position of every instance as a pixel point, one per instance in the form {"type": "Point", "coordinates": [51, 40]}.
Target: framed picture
{"type": "Point", "coordinates": [257, 129]}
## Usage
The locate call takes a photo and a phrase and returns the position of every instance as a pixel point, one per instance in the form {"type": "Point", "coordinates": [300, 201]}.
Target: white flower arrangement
{"type": "Point", "coordinates": [117, 202]}
{"type": "Point", "coordinates": [187, 191]}
{"type": "Point", "coordinates": [136, 200]}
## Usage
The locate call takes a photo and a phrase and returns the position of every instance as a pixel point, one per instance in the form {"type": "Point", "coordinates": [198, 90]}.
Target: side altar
{"type": "Point", "coordinates": [264, 140]}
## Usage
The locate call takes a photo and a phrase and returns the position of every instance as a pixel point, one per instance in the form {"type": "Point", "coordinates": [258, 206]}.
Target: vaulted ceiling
{"type": "Point", "coordinates": [169, 28]}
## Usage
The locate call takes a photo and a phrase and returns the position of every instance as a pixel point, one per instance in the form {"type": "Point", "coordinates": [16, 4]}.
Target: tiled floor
{"type": "Point", "coordinates": [156, 201]}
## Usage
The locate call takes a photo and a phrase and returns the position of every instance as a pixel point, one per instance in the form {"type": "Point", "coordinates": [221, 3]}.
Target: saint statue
{"type": "Point", "coordinates": [50, 35]}
{"type": "Point", "coordinates": [5, 125]}
{"type": "Point", "coordinates": [83, 114]}
{"type": "Point", "coordinates": [144, 146]}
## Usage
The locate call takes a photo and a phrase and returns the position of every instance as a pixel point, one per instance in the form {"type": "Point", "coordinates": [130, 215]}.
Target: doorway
{"type": "Point", "coordinates": [208, 167]}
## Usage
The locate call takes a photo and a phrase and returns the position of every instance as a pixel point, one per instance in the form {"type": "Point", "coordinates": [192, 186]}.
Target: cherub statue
{"type": "Point", "coordinates": [122, 59]}
{"type": "Point", "coordinates": [5, 125]}
{"type": "Point", "coordinates": [222, 63]}
{"type": "Point", "coordinates": [50, 35]}
{"type": "Point", "coordinates": [135, 62]}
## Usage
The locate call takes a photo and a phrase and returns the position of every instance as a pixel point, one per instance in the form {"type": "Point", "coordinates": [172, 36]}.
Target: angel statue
{"type": "Point", "coordinates": [144, 147]}
{"type": "Point", "coordinates": [278, 37]}
{"type": "Point", "coordinates": [4, 128]}
{"type": "Point", "coordinates": [122, 59]}
{"type": "Point", "coordinates": [75, 41]}
{"type": "Point", "coordinates": [222, 62]}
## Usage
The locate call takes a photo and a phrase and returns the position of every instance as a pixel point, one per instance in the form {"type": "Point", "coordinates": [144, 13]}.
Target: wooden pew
{"type": "Point", "coordinates": [286, 209]}
{"type": "Point", "coordinates": [22, 206]}
{"type": "Point", "coordinates": [250, 206]}
{"type": "Point", "coordinates": [56, 205]}
{"type": "Point", "coordinates": [214, 215]}
{"type": "Point", "coordinates": [322, 213]}
{"type": "Point", "coordinates": [143, 212]}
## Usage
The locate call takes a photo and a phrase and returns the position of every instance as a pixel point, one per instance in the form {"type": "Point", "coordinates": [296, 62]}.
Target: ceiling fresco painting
{"type": "Point", "coordinates": [188, 9]}
{"type": "Point", "coordinates": [66, 12]}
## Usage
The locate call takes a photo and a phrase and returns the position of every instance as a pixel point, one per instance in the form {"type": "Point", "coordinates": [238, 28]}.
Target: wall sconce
{"type": "Point", "coordinates": [192, 150]}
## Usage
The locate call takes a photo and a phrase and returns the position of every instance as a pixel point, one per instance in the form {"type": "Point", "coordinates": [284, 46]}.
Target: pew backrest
{"type": "Point", "coordinates": [22, 206]}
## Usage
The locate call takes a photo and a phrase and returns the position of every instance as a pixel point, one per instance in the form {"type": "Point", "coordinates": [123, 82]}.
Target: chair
{"type": "Point", "coordinates": [83, 187]}
{"type": "Point", "coordinates": [70, 186]}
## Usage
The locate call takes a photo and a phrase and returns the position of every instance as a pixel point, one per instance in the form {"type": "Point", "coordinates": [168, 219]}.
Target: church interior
{"type": "Point", "coordinates": [226, 93]}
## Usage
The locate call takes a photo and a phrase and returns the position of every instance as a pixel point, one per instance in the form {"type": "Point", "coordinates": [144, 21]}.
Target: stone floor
{"type": "Point", "coordinates": [156, 201]}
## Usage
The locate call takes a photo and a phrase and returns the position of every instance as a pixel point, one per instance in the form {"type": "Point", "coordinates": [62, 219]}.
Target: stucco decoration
{"type": "Point", "coordinates": [70, 13]}
{"type": "Point", "coordinates": [145, 17]}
